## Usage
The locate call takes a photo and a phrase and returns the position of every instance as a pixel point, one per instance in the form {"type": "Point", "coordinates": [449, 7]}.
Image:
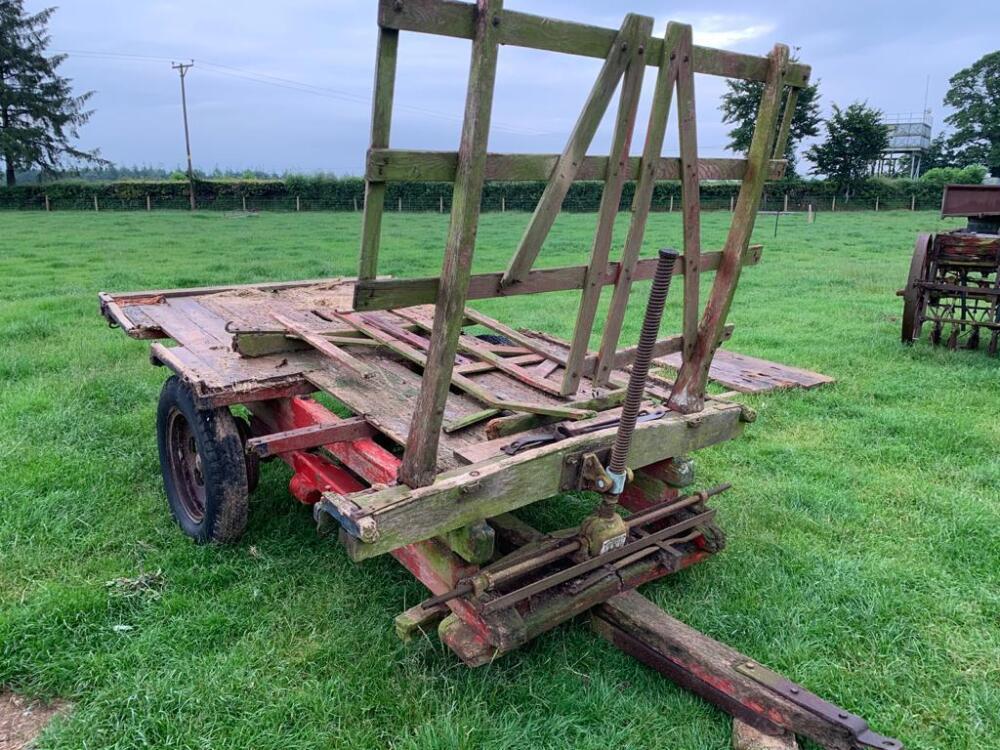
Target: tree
{"type": "Point", "coordinates": [975, 96]}
{"type": "Point", "coordinates": [39, 115]}
{"type": "Point", "coordinates": [855, 138]}
{"type": "Point", "coordinates": [939, 155]}
{"type": "Point", "coordinates": [741, 102]}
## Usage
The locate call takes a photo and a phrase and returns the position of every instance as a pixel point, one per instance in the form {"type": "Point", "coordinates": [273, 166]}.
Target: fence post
{"type": "Point", "coordinates": [149, 203]}
{"type": "Point", "coordinates": [833, 206]}
{"type": "Point", "coordinates": [732, 203]}
{"type": "Point", "coordinates": [355, 204]}
{"type": "Point", "coordinates": [810, 217]}
{"type": "Point", "coordinates": [96, 207]}
{"type": "Point", "coordinates": [876, 203]}
{"type": "Point", "coordinates": [298, 203]}
{"type": "Point", "coordinates": [671, 204]}
{"type": "Point", "coordinates": [244, 202]}
{"type": "Point", "coordinates": [400, 207]}
{"type": "Point", "coordinates": [440, 204]}
{"type": "Point", "coordinates": [48, 206]}
{"type": "Point", "coordinates": [503, 204]}
{"type": "Point", "coordinates": [786, 203]}
{"type": "Point", "coordinates": [913, 202]}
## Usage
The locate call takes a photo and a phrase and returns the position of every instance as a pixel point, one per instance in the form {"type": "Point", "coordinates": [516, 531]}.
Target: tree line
{"type": "Point", "coordinates": [40, 117]}
{"type": "Point", "coordinates": [856, 135]}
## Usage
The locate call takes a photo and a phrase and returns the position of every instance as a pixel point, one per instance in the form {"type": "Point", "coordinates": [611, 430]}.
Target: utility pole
{"type": "Point", "coordinates": [182, 69]}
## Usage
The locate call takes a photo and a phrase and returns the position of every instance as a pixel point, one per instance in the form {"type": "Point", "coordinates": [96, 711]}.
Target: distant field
{"type": "Point", "coordinates": [863, 558]}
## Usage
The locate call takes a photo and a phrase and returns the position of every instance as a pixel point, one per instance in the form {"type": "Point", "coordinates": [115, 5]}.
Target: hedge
{"type": "Point", "coordinates": [347, 194]}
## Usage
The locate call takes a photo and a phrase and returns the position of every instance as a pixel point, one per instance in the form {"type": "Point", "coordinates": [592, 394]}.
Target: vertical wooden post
{"type": "Point", "coordinates": [876, 203]}
{"type": "Point", "coordinates": [149, 202]}
{"type": "Point", "coordinates": [611, 197]}
{"type": "Point", "coordinates": [399, 204]}
{"type": "Point", "coordinates": [690, 190]}
{"type": "Point", "coordinates": [642, 202]}
{"type": "Point", "coordinates": [833, 206]}
{"type": "Point", "coordinates": [688, 393]}
{"type": "Point", "coordinates": [48, 205]}
{"type": "Point", "coordinates": [913, 202]}
{"type": "Point", "coordinates": [298, 203]}
{"type": "Point", "coordinates": [732, 202]}
{"type": "Point", "coordinates": [671, 209]}
{"type": "Point", "coordinates": [440, 204]}
{"type": "Point", "coordinates": [810, 218]}
{"type": "Point", "coordinates": [355, 204]}
{"type": "Point", "coordinates": [385, 84]}
{"type": "Point", "coordinates": [503, 204]}
{"type": "Point", "coordinates": [785, 210]}
{"type": "Point", "coordinates": [419, 465]}
{"type": "Point", "coordinates": [244, 199]}
{"type": "Point", "coordinates": [96, 207]}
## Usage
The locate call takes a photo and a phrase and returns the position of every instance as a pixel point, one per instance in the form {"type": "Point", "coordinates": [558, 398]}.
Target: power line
{"type": "Point", "coordinates": [292, 85]}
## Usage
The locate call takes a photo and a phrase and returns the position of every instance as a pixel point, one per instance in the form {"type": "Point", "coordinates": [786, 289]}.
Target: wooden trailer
{"type": "Point", "coordinates": [457, 419]}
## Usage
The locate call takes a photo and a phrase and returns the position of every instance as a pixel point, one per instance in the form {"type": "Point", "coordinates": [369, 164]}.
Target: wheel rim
{"type": "Point", "coordinates": [186, 466]}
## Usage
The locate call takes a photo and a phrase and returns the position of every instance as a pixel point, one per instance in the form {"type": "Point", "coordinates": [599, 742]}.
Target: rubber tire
{"type": "Point", "coordinates": [223, 468]}
{"type": "Point", "coordinates": [252, 459]}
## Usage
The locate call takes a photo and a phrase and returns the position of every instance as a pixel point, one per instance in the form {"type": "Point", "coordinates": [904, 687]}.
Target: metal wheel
{"type": "Point", "coordinates": [913, 297]}
{"type": "Point", "coordinates": [185, 466]}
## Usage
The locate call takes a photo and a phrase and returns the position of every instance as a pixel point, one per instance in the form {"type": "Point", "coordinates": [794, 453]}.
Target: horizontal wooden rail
{"type": "Point", "coordinates": [385, 294]}
{"type": "Point", "coordinates": [456, 19]}
{"type": "Point", "coordinates": [392, 165]}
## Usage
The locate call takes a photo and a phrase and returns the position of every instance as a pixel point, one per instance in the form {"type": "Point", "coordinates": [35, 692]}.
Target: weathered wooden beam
{"type": "Point", "coordinates": [385, 83]}
{"type": "Point", "coordinates": [313, 436]}
{"type": "Point", "coordinates": [400, 515]}
{"type": "Point", "coordinates": [397, 165]}
{"type": "Point", "coordinates": [690, 189]}
{"type": "Point", "coordinates": [785, 129]}
{"type": "Point", "coordinates": [688, 394]}
{"type": "Point", "coordinates": [457, 19]}
{"type": "Point", "coordinates": [641, 203]}
{"type": "Point", "coordinates": [386, 294]}
{"type": "Point", "coordinates": [324, 347]}
{"type": "Point", "coordinates": [625, 357]}
{"type": "Point", "coordinates": [611, 198]}
{"type": "Point", "coordinates": [550, 204]}
{"type": "Point", "coordinates": [419, 464]}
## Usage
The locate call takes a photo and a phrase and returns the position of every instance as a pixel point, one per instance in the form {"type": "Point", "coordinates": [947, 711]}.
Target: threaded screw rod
{"type": "Point", "coordinates": [643, 358]}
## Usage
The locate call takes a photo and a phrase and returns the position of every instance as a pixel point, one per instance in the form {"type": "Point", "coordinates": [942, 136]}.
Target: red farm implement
{"type": "Point", "coordinates": [458, 419]}
{"type": "Point", "coordinates": [954, 282]}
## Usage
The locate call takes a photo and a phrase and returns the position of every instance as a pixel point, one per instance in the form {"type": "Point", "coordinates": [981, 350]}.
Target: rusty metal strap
{"type": "Point", "coordinates": [856, 727]}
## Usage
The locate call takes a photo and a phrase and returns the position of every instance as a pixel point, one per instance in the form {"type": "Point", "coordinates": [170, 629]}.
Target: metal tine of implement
{"type": "Point", "coordinates": [559, 548]}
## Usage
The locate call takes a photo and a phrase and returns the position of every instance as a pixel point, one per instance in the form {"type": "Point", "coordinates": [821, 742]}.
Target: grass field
{"type": "Point", "coordinates": [864, 555]}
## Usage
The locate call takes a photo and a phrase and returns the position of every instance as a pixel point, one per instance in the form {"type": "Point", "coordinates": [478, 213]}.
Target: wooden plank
{"type": "Point", "coordinates": [752, 375]}
{"type": "Point", "coordinates": [550, 204]}
{"type": "Point", "coordinates": [655, 134]}
{"type": "Point", "coordinates": [396, 165]}
{"type": "Point", "coordinates": [784, 131]}
{"type": "Point", "coordinates": [611, 198]}
{"type": "Point", "coordinates": [388, 294]}
{"type": "Point", "coordinates": [324, 347]}
{"type": "Point", "coordinates": [466, 344]}
{"type": "Point", "coordinates": [418, 467]}
{"type": "Point", "coordinates": [689, 388]}
{"type": "Point", "coordinates": [400, 515]}
{"type": "Point", "coordinates": [625, 357]}
{"type": "Point", "coordinates": [690, 189]}
{"type": "Point", "coordinates": [457, 19]}
{"type": "Point", "coordinates": [385, 84]}
{"type": "Point", "coordinates": [313, 436]}
{"type": "Point", "coordinates": [483, 366]}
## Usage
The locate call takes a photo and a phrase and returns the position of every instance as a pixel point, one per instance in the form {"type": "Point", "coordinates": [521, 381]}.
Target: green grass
{"type": "Point", "coordinates": [864, 555]}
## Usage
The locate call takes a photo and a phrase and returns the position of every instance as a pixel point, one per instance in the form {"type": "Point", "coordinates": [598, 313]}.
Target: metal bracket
{"type": "Point", "coordinates": [853, 724]}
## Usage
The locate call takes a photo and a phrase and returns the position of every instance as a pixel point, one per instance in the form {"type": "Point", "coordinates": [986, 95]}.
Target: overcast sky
{"type": "Point", "coordinates": [316, 118]}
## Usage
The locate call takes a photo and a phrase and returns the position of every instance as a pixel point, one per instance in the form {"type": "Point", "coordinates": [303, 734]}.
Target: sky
{"type": "Point", "coordinates": [285, 85]}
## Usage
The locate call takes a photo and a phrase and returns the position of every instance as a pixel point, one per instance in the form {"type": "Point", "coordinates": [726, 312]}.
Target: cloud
{"type": "Point", "coordinates": [723, 31]}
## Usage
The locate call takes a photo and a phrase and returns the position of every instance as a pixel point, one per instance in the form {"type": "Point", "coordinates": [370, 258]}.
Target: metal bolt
{"type": "Point", "coordinates": [496, 21]}
{"type": "Point", "coordinates": [641, 49]}
{"type": "Point", "coordinates": [398, 6]}
{"type": "Point", "coordinates": [750, 665]}
{"type": "Point", "coordinates": [794, 690]}
{"type": "Point", "coordinates": [673, 55]}
{"type": "Point", "coordinates": [686, 58]}
{"type": "Point", "coordinates": [624, 47]}
{"type": "Point", "coordinates": [842, 715]}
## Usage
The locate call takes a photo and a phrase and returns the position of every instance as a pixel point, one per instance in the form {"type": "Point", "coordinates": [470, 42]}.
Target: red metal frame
{"type": "Point", "coordinates": [363, 462]}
